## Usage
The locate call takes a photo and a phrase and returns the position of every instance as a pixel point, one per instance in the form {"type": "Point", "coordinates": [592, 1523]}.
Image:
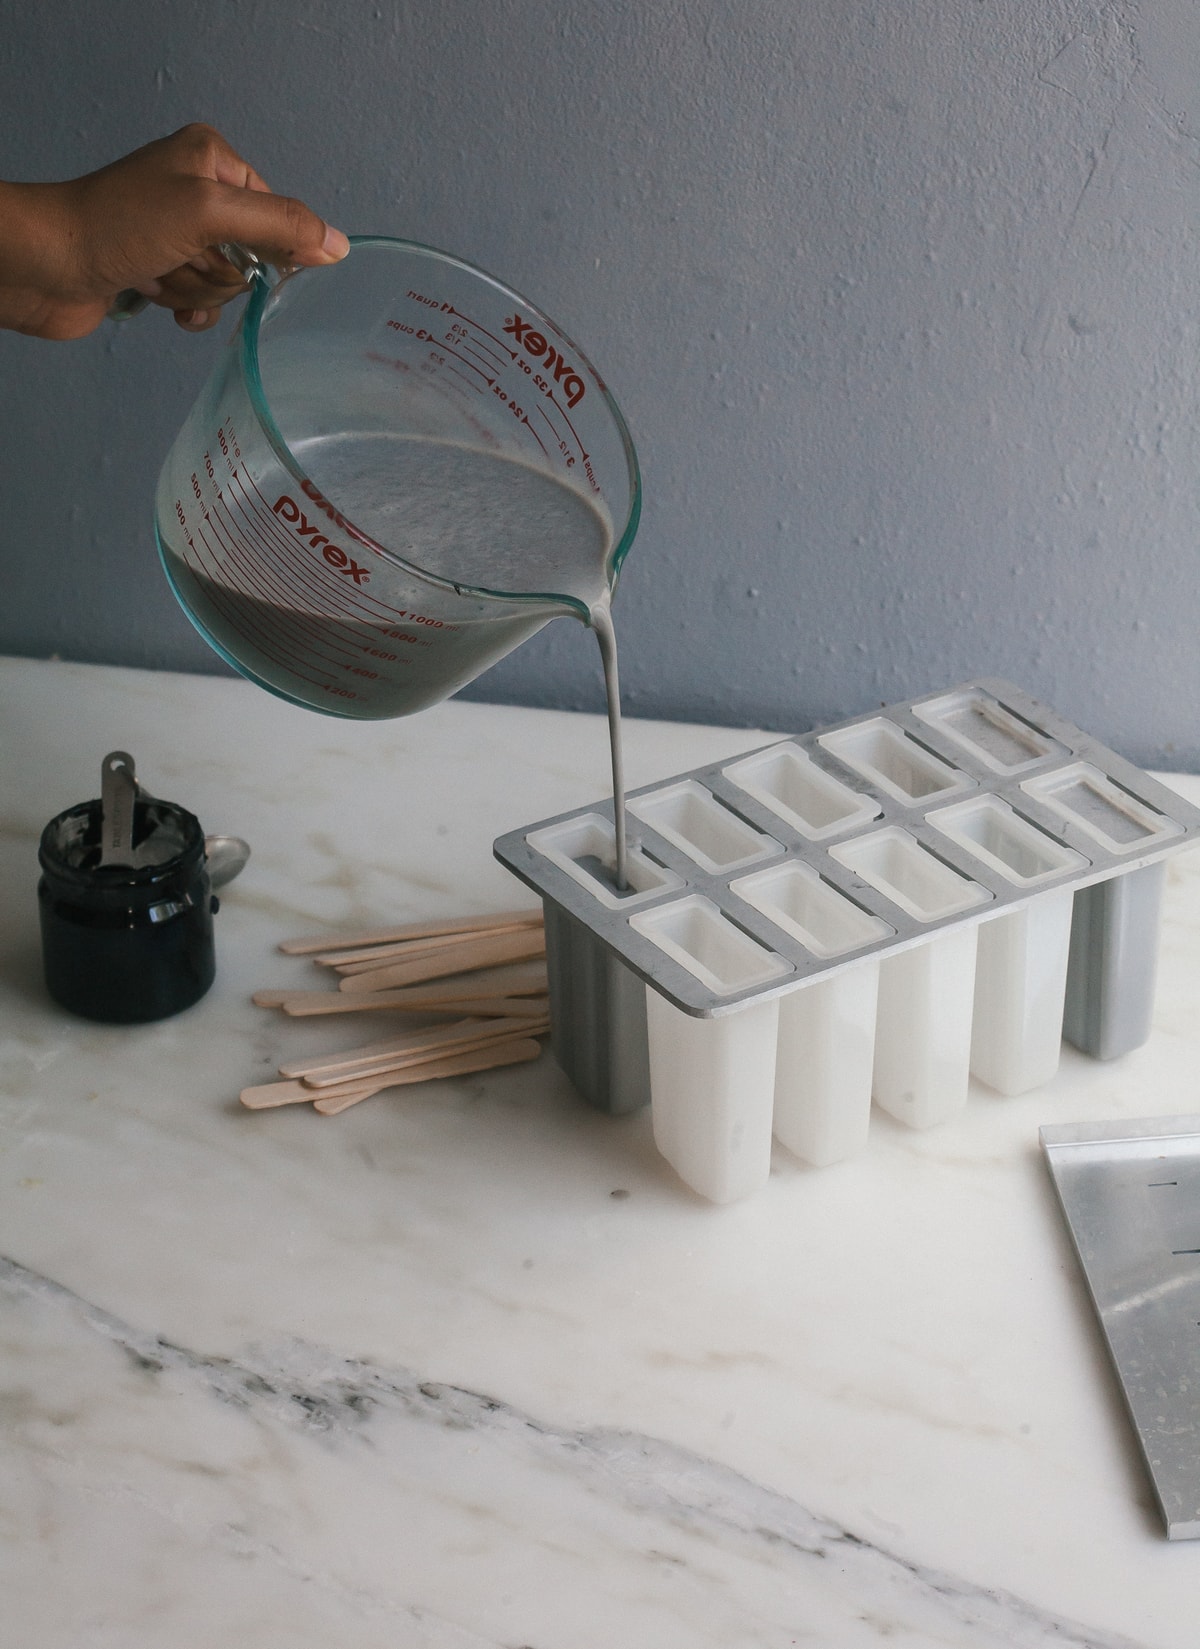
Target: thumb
{"type": "Point", "coordinates": [279, 229]}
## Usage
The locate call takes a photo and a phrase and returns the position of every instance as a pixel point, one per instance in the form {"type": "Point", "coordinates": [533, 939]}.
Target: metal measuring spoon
{"type": "Point", "coordinates": [118, 794]}
{"type": "Point", "coordinates": [226, 857]}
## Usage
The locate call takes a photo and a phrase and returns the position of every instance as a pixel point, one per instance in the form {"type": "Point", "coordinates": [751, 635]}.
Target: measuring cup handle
{"type": "Point", "coordinates": [250, 265]}
{"type": "Point", "coordinates": [131, 302]}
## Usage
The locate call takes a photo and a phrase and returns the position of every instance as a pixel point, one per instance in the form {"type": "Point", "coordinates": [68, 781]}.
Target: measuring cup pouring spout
{"type": "Point", "coordinates": [398, 471]}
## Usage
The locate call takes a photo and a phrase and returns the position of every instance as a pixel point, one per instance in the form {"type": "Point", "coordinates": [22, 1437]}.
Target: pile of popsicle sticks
{"type": "Point", "coordinates": [475, 986]}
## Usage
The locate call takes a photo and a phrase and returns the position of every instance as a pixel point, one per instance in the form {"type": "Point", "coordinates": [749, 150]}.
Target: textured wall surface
{"type": "Point", "coordinates": [899, 299]}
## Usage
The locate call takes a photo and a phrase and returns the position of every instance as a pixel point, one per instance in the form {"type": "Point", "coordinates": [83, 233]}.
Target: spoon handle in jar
{"type": "Point", "coordinates": [118, 793]}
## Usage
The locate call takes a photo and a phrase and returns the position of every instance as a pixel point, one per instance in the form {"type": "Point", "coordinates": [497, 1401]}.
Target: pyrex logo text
{"type": "Point", "coordinates": [535, 344]}
{"type": "Point", "coordinates": [288, 510]}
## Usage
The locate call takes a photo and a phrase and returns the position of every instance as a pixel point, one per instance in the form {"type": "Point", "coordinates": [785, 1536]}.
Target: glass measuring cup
{"type": "Point", "coordinates": [398, 471]}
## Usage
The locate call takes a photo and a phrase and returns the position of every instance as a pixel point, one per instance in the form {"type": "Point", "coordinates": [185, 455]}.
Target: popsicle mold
{"type": "Point", "coordinates": [874, 912]}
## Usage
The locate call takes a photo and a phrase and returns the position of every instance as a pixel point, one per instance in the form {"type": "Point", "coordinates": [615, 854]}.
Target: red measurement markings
{"type": "Point", "coordinates": [486, 355]}
{"type": "Point", "coordinates": [470, 364]}
{"type": "Point", "coordinates": [562, 445]}
{"type": "Point", "coordinates": [241, 570]}
{"type": "Point", "coordinates": [299, 571]}
{"type": "Point", "coordinates": [452, 393]}
{"type": "Point", "coordinates": [297, 627]}
{"type": "Point", "coordinates": [534, 433]}
{"type": "Point", "coordinates": [290, 631]}
{"type": "Point", "coordinates": [476, 389]}
{"type": "Point", "coordinates": [359, 602]}
{"type": "Point", "coordinates": [240, 623]}
{"type": "Point", "coordinates": [583, 452]}
{"type": "Point", "coordinates": [283, 568]}
{"type": "Point", "coordinates": [364, 601]}
{"type": "Point", "coordinates": [449, 309]}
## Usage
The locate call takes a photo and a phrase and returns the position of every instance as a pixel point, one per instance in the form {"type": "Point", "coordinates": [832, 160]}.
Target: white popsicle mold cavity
{"type": "Point", "coordinates": [1020, 988]}
{"type": "Point", "coordinates": [824, 1060]}
{"type": "Point", "coordinates": [923, 1029]}
{"type": "Point", "coordinates": [1017, 850]}
{"type": "Point", "coordinates": [893, 760]}
{"type": "Point", "coordinates": [975, 722]}
{"type": "Point", "coordinates": [700, 939]}
{"type": "Point", "coordinates": [691, 818]}
{"type": "Point", "coordinates": [712, 1089]}
{"type": "Point", "coordinates": [586, 849]}
{"type": "Point", "coordinates": [794, 898]}
{"type": "Point", "coordinates": [984, 881]}
{"type": "Point", "coordinates": [898, 866]}
{"type": "Point", "coordinates": [790, 784]}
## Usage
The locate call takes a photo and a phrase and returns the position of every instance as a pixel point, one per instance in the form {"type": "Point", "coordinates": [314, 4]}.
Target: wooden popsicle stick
{"type": "Point", "coordinates": [526, 1021]}
{"type": "Point", "coordinates": [523, 1030]}
{"type": "Point", "coordinates": [523, 945]}
{"type": "Point", "coordinates": [318, 1003]}
{"type": "Point", "coordinates": [373, 956]}
{"type": "Point", "coordinates": [515, 979]}
{"type": "Point", "coordinates": [411, 930]}
{"type": "Point", "coordinates": [397, 1046]}
{"type": "Point", "coordinates": [268, 1094]}
{"type": "Point", "coordinates": [483, 1059]}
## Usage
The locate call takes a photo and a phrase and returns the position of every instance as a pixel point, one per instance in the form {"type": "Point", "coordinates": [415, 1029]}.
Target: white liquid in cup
{"type": "Point", "coordinates": [472, 517]}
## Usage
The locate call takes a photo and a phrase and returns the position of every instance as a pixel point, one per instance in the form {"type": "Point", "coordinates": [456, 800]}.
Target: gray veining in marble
{"type": "Point", "coordinates": [679, 1504]}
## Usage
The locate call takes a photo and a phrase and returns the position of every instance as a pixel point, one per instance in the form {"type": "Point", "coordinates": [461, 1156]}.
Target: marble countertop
{"type": "Point", "coordinates": [467, 1367]}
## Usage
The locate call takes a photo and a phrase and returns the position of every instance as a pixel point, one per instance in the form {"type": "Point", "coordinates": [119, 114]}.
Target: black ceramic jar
{"type": "Point", "coordinates": [126, 944]}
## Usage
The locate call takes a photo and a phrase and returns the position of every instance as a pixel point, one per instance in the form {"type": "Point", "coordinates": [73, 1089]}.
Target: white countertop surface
{"type": "Point", "coordinates": [467, 1367]}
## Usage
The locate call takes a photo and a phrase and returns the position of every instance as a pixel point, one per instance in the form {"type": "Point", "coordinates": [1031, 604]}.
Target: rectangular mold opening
{"type": "Point", "coordinates": [585, 848]}
{"type": "Point", "coordinates": [794, 897]}
{"type": "Point", "coordinates": [688, 816]}
{"type": "Point", "coordinates": [1089, 798]}
{"type": "Point", "coordinates": [696, 935]}
{"type": "Point", "coordinates": [896, 864]}
{"type": "Point", "coordinates": [784, 779]}
{"type": "Point", "coordinates": [882, 752]}
{"type": "Point", "coordinates": [979, 723]}
{"type": "Point", "coordinates": [990, 831]}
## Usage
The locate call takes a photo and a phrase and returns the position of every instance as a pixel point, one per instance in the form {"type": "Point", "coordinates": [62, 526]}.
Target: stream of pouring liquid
{"type": "Point", "coordinates": [601, 622]}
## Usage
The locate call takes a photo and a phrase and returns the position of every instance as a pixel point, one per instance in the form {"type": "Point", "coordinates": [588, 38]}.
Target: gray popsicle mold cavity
{"type": "Point", "coordinates": [597, 1017]}
{"type": "Point", "coordinates": [987, 730]}
{"type": "Point", "coordinates": [1090, 800]}
{"type": "Point", "coordinates": [1113, 963]}
{"type": "Point", "coordinates": [983, 799]}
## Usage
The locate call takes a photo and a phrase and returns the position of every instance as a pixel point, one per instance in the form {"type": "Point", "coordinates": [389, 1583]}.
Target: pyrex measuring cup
{"type": "Point", "coordinates": [398, 471]}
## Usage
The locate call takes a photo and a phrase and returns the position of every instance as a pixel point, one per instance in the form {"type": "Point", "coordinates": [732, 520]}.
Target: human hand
{"type": "Point", "coordinates": [151, 222]}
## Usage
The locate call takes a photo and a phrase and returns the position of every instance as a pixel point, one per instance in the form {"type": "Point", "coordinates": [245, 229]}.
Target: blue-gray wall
{"type": "Point", "coordinates": [900, 299]}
